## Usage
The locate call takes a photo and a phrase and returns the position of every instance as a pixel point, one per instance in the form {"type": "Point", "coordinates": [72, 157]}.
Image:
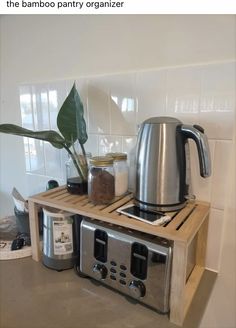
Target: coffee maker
{"type": "Point", "coordinates": [162, 163]}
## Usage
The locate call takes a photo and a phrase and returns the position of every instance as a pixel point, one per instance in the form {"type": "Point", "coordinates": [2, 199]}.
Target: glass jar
{"type": "Point", "coordinates": [75, 184]}
{"type": "Point", "coordinates": [121, 173]}
{"type": "Point", "coordinates": [101, 180]}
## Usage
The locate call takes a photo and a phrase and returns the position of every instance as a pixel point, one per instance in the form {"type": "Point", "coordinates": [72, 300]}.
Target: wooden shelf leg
{"type": "Point", "coordinates": [182, 292]}
{"type": "Point", "coordinates": [178, 280]}
{"type": "Point", "coordinates": [34, 230]}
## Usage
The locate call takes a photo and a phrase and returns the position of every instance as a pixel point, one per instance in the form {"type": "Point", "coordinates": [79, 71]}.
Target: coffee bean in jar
{"type": "Point", "coordinates": [101, 180]}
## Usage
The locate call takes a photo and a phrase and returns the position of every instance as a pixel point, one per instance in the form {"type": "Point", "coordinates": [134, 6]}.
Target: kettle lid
{"type": "Point", "coordinates": [161, 120]}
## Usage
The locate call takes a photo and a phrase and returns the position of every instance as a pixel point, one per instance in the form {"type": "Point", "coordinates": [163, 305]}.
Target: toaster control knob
{"type": "Point", "coordinates": [137, 289]}
{"type": "Point", "coordinates": [100, 271]}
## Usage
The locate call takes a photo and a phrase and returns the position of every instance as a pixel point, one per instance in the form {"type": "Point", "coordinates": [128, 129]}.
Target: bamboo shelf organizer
{"type": "Point", "coordinates": [190, 222]}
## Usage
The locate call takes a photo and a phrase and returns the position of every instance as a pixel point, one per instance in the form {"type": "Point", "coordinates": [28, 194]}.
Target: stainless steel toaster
{"type": "Point", "coordinates": [136, 264]}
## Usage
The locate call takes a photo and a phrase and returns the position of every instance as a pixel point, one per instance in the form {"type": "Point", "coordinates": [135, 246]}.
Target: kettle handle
{"type": "Point", "coordinates": [196, 133]}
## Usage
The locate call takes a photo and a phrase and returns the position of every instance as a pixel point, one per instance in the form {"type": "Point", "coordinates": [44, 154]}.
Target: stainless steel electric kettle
{"type": "Point", "coordinates": [162, 163]}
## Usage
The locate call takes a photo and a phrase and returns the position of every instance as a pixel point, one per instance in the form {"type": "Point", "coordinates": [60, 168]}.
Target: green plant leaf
{"type": "Point", "coordinates": [70, 119]}
{"type": "Point", "coordinates": [48, 135]}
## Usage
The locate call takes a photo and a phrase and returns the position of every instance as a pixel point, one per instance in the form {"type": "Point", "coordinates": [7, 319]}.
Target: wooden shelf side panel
{"type": "Point", "coordinates": [34, 230]}
{"type": "Point", "coordinates": [178, 280]}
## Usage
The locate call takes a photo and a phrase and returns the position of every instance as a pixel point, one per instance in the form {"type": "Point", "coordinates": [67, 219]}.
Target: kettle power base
{"type": "Point", "coordinates": [135, 212]}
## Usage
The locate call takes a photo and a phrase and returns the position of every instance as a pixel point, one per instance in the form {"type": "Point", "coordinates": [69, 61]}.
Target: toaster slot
{"type": "Point", "coordinates": [100, 245]}
{"type": "Point", "coordinates": [139, 260]}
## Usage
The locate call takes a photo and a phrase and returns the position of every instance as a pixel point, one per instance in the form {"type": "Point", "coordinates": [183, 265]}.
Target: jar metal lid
{"type": "Point", "coordinates": [117, 156]}
{"type": "Point", "coordinates": [101, 160]}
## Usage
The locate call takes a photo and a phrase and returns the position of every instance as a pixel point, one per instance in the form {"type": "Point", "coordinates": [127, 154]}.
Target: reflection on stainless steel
{"type": "Point", "coordinates": [162, 169]}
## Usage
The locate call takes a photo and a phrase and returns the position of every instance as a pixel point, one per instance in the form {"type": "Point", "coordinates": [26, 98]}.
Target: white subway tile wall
{"type": "Point", "coordinates": [99, 114]}
{"type": "Point", "coordinates": [151, 94]}
{"type": "Point", "coordinates": [214, 238]}
{"type": "Point", "coordinates": [114, 106]}
{"type": "Point", "coordinates": [122, 104]}
{"type": "Point", "coordinates": [109, 144]}
{"type": "Point", "coordinates": [217, 103]}
{"type": "Point", "coordinates": [220, 170]}
{"type": "Point", "coordinates": [183, 93]}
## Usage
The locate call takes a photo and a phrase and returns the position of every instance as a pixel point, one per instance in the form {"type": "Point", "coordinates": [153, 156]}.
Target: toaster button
{"type": "Point", "coordinates": [122, 282]}
{"type": "Point", "coordinates": [123, 267]}
{"type": "Point", "coordinates": [113, 270]}
{"type": "Point", "coordinates": [122, 274]}
{"type": "Point", "coordinates": [113, 263]}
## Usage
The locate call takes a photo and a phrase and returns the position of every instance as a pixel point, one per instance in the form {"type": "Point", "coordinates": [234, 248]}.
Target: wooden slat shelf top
{"type": "Point", "coordinates": [182, 226]}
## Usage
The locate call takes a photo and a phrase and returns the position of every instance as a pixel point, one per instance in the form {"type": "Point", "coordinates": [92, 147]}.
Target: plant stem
{"type": "Point", "coordinates": [85, 166]}
{"type": "Point", "coordinates": [80, 171]}
{"type": "Point", "coordinates": [83, 151]}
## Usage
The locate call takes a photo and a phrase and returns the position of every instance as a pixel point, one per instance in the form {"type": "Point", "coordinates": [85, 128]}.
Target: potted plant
{"type": "Point", "coordinates": [72, 127]}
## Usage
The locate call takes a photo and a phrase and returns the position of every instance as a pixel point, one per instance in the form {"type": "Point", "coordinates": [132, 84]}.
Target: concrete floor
{"type": "Point", "coordinates": [34, 296]}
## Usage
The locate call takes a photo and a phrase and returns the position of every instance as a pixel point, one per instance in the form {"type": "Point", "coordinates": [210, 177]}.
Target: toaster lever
{"type": "Point", "coordinates": [141, 257]}
{"type": "Point", "coordinates": [100, 241]}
